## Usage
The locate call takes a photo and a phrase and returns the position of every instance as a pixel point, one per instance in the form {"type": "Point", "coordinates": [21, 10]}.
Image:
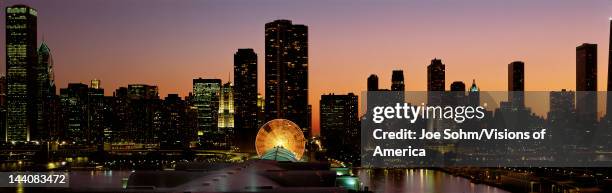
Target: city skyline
{"type": "Point", "coordinates": [115, 68]}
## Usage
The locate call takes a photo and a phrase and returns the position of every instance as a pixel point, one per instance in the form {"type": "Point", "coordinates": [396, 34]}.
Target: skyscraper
{"type": "Point", "coordinates": [561, 107]}
{"type": "Point", "coordinates": [44, 93]}
{"type": "Point", "coordinates": [206, 100]}
{"type": "Point", "coordinates": [20, 62]}
{"type": "Point", "coordinates": [340, 126]}
{"type": "Point", "coordinates": [74, 105]}
{"type": "Point", "coordinates": [143, 120]}
{"type": "Point", "coordinates": [2, 108]}
{"type": "Point", "coordinates": [373, 82]}
{"type": "Point", "coordinates": [586, 84]}
{"type": "Point", "coordinates": [175, 129]}
{"type": "Point", "coordinates": [142, 91]}
{"type": "Point", "coordinates": [436, 75]}
{"type": "Point", "coordinates": [397, 80]}
{"type": "Point", "coordinates": [474, 94]}
{"type": "Point", "coordinates": [286, 56]}
{"type": "Point", "coordinates": [96, 110]}
{"type": "Point", "coordinates": [516, 84]}
{"type": "Point", "coordinates": [95, 83]}
{"type": "Point", "coordinates": [245, 98]}
{"type": "Point", "coordinates": [436, 80]}
{"type": "Point", "coordinates": [609, 94]}
{"type": "Point", "coordinates": [2, 92]}
{"type": "Point", "coordinates": [226, 114]}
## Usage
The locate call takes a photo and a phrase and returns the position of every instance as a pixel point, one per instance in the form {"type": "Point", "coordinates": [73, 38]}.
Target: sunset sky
{"type": "Point", "coordinates": [168, 43]}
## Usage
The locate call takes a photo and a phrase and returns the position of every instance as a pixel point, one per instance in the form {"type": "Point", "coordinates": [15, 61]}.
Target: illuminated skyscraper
{"type": "Point", "coordinates": [286, 56]}
{"type": "Point", "coordinates": [20, 73]}
{"type": "Point", "coordinates": [261, 110]}
{"type": "Point", "coordinates": [206, 100]}
{"type": "Point", "coordinates": [226, 114]}
{"type": "Point", "coordinates": [245, 98]}
{"type": "Point", "coordinates": [516, 84]}
{"type": "Point", "coordinates": [586, 84]}
{"type": "Point", "coordinates": [95, 83]}
{"type": "Point", "coordinates": [373, 82]}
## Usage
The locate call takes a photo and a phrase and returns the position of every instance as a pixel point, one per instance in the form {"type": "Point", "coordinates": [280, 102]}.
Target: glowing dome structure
{"type": "Point", "coordinates": [280, 133]}
{"type": "Point", "coordinates": [279, 154]}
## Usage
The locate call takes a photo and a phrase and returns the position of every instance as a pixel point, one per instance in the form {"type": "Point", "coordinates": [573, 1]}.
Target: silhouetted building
{"type": "Point", "coordinates": [436, 74]}
{"type": "Point", "coordinates": [609, 94]}
{"type": "Point", "coordinates": [3, 108]}
{"type": "Point", "coordinates": [140, 109]}
{"type": "Point", "coordinates": [97, 112]}
{"type": "Point", "coordinates": [286, 56]}
{"type": "Point", "coordinates": [245, 98]}
{"type": "Point", "coordinates": [586, 85]}
{"type": "Point", "coordinates": [175, 128]}
{"type": "Point", "coordinates": [44, 93]}
{"type": "Point", "coordinates": [516, 84]}
{"type": "Point", "coordinates": [3, 93]}
{"type": "Point", "coordinates": [340, 126]}
{"type": "Point", "coordinates": [397, 81]}
{"type": "Point", "coordinates": [456, 96]}
{"type": "Point", "coordinates": [373, 82]}
{"type": "Point", "coordinates": [562, 117]}
{"type": "Point", "coordinates": [436, 81]}
{"type": "Point", "coordinates": [474, 95]}
{"type": "Point", "coordinates": [142, 91]}
{"type": "Point", "coordinates": [562, 105]}
{"type": "Point", "coordinates": [74, 105]}
{"type": "Point", "coordinates": [21, 34]}
{"type": "Point", "coordinates": [206, 100]}
{"type": "Point", "coordinates": [457, 86]}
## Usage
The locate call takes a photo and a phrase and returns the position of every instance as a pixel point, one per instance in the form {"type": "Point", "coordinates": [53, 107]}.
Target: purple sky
{"type": "Point", "coordinates": [168, 43]}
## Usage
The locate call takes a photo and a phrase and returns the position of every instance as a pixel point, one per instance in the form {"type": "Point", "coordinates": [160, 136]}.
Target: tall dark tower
{"type": "Point", "coordinates": [436, 78]}
{"type": "Point", "coordinates": [287, 73]}
{"type": "Point", "coordinates": [609, 94]}
{"type": "Point", "coordinates": [397, 81]}
{"type": "Point", "coordinates": [516, 84]}
{"type": "Point", "coordinates": [340, 126]}
{"type": "Point", "coordinates": [436, 74]}
{"type": "Point", "coordinates": [44, 92]}
{"type": "Point", "coordinates": [373, 82]}
{"type": "Point", "coordinates": [586, 84]}
{"type": "Point", "coordinates": [20, 74]}
{"type": "Point", "coordinates": [245, 98]}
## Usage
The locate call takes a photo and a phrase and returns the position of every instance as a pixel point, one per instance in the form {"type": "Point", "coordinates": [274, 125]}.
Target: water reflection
{"type": "Point", "coordinates": [379, 181]}
{"type": "Point", "coordinates": [419, 181]}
